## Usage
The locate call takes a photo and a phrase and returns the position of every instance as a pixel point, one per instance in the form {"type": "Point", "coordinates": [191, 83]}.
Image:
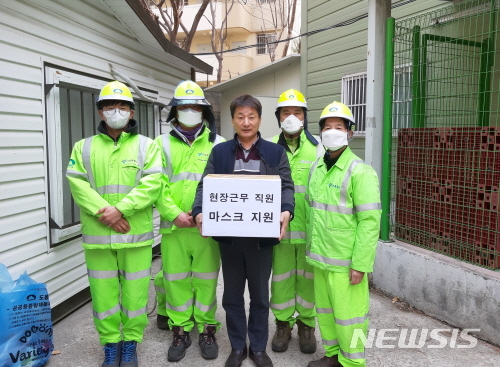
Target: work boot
{"type": "Point", "coordinates": [282, 336]}
{"type": "Point", "coordinates": [332, 361]}
{"type": "Point", "coordinates": [307, 340]}
{"type": "Point", "coordinates": [208, 343]}
{"type": "Point", "coordinates": [129, 354]}
{"type": "Point", "coordinates": [181, 342]}
{"type": "Point", "coordinates": [112, 353]}
{"type": "Point", "coordinates": [162, 322]}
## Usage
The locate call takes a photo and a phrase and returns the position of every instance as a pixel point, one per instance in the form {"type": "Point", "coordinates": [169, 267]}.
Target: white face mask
{"type": "Point", "coordinates": [334, 139]}
{"type": "Point", "coordinates": [291, 124]}
{"type": "Point", "coordinates": [189, 117]}
{"type": "Point", "coordinates": [116, 119]}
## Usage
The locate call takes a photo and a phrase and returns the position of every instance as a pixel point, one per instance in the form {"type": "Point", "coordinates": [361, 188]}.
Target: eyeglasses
{"type": "Point", "coordinates": [109, 113]}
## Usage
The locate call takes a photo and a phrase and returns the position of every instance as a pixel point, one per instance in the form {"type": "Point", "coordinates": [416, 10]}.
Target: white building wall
{"type": "Point", "coordinates": [83, 36]}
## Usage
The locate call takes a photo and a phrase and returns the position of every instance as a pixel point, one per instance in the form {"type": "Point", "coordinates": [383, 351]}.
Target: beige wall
{"type": "Point", "coordinates": [236, 63]}
{"type": "Point", "coordinates": [267, 89]}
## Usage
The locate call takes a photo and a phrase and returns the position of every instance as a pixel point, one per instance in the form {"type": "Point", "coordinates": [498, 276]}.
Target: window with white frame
{"type": "Point", "coordinates": [402, 97]}
{"type": "Point", "coordinates": [354, 96]}
{"type": "Point", "coordinates": [263, 39]}
{"type": "Point", "coordinates": [71, 115]}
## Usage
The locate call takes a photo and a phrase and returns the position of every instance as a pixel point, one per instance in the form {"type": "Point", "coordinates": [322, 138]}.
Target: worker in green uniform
{"type": "Point", "coordinates": [343, 222]}
{"type": "Point", "coordinates": [186, 286]}
{"type": "Point", "coordinates": [115, 177]}
{"type": "Point", "coordinates": [292, 289]}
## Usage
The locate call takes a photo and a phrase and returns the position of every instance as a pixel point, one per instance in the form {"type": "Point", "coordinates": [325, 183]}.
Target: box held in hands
{"type": "Point", "coordinates": [241, 206]}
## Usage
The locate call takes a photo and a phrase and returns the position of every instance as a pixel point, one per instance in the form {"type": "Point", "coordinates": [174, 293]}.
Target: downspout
{"type": "Point", "coordinates": [385, 226]}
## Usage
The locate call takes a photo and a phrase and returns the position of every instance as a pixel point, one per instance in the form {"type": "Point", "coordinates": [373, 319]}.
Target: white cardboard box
{"type": "Point", "coordinates": [241, 205]}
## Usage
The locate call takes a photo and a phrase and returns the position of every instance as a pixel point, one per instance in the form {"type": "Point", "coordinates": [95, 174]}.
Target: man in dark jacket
{"type": "Point", "coordinates": [248, 258]}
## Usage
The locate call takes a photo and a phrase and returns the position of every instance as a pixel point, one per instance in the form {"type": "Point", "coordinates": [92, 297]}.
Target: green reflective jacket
{"type": "Point", "coordinates": [126, 174]}
{"type": "Point", "coordinates": [183, 166]}
{"type": "Point", "coordinates": [300, 163]}
{"type": "Point", "coordinates": [343, 216]}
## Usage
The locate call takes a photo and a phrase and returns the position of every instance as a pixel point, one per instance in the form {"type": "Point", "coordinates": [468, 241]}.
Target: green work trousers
{"type": "Point", "coordinates": [186, 286]}
{"type": "Point", "coordinates": [292, 286]}
{"type": "Point", "coordinates": [342, 308]}
{"type": "Point", "coordinates": [119, 284]}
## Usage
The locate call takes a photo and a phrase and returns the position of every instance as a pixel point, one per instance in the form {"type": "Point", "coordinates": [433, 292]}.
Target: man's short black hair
{"type": "Point", "coordinates": [246, 100]}
{"type": "Point", "coordinates": [111, 102]}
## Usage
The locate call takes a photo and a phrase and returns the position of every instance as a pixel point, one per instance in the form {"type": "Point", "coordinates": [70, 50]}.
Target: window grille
{"type": "Point", "coordinates": [354, 96]}
{"type": "Point", "coordinates": [71, 116]}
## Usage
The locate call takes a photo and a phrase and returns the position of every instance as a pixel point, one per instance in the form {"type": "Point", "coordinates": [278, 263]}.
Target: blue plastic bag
{"type": "Point", "coordinates": [25, 320]}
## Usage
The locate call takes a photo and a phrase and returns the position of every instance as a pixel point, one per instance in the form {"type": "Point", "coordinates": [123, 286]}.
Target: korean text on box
{"type": "Point", "coordinates": [241, 206]}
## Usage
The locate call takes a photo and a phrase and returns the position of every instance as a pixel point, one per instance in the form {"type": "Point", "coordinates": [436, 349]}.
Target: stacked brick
{"type": "Point", "coordinates": [447, 191]}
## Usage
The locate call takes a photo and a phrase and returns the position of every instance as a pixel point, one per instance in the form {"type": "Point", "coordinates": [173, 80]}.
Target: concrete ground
{"type": "Point", "coordinates": [76, 340]}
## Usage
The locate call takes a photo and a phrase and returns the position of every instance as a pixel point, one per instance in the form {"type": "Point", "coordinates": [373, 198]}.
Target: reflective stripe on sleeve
{"type": "Point", "coordinates": [141, 157]}
{"type": "Point", "coordinates": [331, 208]}
{"type": "Point", "coordinates": [110, 312]}
{"type": "Point", "coordinates": [114, 189]}
{"type": "Point", "coordinates": [345, 182]}
{"type": "Point", "coordinates": [365, 207]}
{"type": "Point", "coordinates": [353, 321]}
{"type": "Point", "coordinates": [166, 224]}
{"type": "Point", "coordinates": [75, 174]}
{"type": "Point", "coordinates": [191, 176]}
{"type": "Point", "coordinates": [327, 260]}
{"type": "Point", "coordinates": [300, 189]}
{"type": "Point", "coordinates": [87, 145]}
{"type": "Point", "coordinates": [165, 143]}
{"type": "Point", "coordinates": [152, 171]}
{"type": "Point", "coordinates": [117, 238]}
{"type": "Point", "coordinates": [324, 310]}
{"type": "Point", "coordinates": [135, 275]}
{"type": "Point", "coordinates": [102, 274]}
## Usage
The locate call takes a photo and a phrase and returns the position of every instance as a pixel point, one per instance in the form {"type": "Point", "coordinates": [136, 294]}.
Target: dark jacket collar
{"type": "Point", "coordinates": [236, 142]}
{"type": "Point", "coordinates": [132, 128]}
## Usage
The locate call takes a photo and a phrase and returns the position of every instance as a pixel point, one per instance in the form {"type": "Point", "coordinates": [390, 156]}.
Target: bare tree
{"type": "Point", "coordinates": [219, 31]}
{"type": "Point", "coordinates": [292, 8]}
{"type": "Point", "coordinates": [276, 16]}
{"type": "Point", "coordinates": [171, 20]}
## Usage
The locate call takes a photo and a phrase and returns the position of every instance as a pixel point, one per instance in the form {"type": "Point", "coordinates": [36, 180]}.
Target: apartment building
{"type": "Point", "coordinates": [249, 22]}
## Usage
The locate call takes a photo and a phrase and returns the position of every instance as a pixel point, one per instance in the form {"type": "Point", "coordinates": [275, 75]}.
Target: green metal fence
{"type": "Point", "coordinates": [444, 145]}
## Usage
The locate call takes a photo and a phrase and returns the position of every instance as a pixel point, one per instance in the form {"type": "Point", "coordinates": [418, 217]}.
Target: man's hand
{"type": "Point", "coordinates": [110, 215]}
{"type": "Point", "coordinates": [122, 226]}
{"type": "Point", "coordinates": [284, 219]}
{"type": "Point", "coordinates": [184, 220]}
{"type": "Point", "coordinates": [355, 276]}
{"type": "Point", "coordinates": [199, 220]}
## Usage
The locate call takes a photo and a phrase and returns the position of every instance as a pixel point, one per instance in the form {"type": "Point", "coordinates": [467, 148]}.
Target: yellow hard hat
{"type": "Point", "coordinates": [337, 109]}
{"type": "Point", "coordinates": [116, 91]}
{"type": "Point", "coordinates": [292, 97]}
{"type": "Point", "coordinates": [188, 92]}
